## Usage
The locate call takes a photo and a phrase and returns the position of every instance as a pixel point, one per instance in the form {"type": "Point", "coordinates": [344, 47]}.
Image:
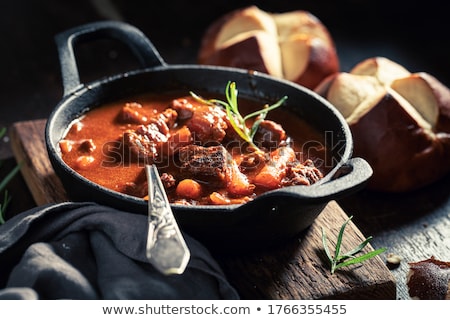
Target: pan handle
{"type": "Point", "coordinates": [351, 177]}
{"type": "Point", "coordinates": [139, 44]}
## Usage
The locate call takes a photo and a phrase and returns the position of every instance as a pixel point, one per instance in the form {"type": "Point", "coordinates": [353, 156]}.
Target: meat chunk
{"type": "Point", "coordinates": [214, 164]}
{"type": "Point", "coordinates": [139, 187]}
{"type": "Point", "coordinates": [284, 169]}
{"type": "Point", "coordinates": [164, 120]}
{"type": "Point", "coordinates": [208, 163]}
{"type": "Point", "coordinates": [144, 142]}
{"type": "Point", "coordinates": [167, 180]}
{"type": "Point", "coordinates": [83, 145]}
{"type": "Point", "coordinates": [252, 161]}
{"type": "Point", "coordinates": [269, 135]}
{"type": "Point", "coordinates": [183, 107]}
{"type": "Point", "coordinates": [134, 113]}
{"type": "Point", "coordinates": [208, 124]}
{"type": "Point", "coordinates": [305, 173]}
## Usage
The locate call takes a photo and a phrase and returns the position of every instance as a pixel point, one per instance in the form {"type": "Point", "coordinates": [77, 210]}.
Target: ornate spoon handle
{"type": "Point", "coordinates": [166, 248]}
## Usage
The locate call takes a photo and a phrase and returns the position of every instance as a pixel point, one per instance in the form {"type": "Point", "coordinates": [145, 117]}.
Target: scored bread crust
{"type": "Point", "coordinates": [292, 45]}
{"type": "Point", "coordinates": [248, 19]}
{"type": "Point", "coordinates": [259, 44]}
{"type": "Point", "coordinates": [400, 122]}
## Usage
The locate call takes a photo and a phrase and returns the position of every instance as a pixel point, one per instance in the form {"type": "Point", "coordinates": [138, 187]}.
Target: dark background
{"type": "Point", "coordinates": [414, 34]}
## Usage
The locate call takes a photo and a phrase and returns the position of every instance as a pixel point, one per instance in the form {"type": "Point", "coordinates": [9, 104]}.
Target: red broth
{"type": "Point", "coordinates": [199, 155]}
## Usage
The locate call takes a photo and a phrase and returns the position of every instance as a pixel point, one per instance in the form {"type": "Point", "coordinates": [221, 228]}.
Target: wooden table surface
{"type": "Point", "coordinates": [296, 269]}
{"type": "Point", "coordinates": [414, 225]}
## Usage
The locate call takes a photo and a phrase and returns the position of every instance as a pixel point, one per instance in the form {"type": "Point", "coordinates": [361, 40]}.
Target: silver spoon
{"type": "Point", "coordinates": [166, 248]}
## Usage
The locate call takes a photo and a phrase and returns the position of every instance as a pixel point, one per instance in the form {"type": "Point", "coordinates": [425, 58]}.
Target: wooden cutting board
{"type": "Point", "coordinates": [297, 271]}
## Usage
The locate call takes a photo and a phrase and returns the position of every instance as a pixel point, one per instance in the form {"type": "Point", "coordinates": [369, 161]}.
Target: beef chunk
{"type": "Point", "coordinates": [133, 112]}
{"type": "Point", "coordinates": [305, 173]}
{"type": "Point", "coordinates": [252, 161]}
{"type": "Point", "coordinates": [183, 107]}
{"type": "Point", "coordinates": [208, 163]}
{"type": "Point", "coordinates": [269, 135]}
{"type": "Point", "coordinates": [208, 124]}
{"type": "Point", "coordinates": [87, 146]}
{"type": "Point", "coordinates": [83, 145]}
{"type": "Point", "coordinates": [144, 142]}
{"type": "Point", "coordinates": [164, 120]}
{"type": "Point", "coordinates": [168, 180]}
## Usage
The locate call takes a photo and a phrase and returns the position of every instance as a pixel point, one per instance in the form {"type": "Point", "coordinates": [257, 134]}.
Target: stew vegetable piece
{"type": "Point", "coordinates": [201, 157]}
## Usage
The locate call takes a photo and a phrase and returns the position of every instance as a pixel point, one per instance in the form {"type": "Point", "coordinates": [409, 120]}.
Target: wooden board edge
{"type": "Point", "coordinates": [44, 185]}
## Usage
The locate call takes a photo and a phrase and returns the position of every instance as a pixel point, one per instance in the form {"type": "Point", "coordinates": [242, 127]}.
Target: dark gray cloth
{"type": "Point", "coordinates": [88, 251]}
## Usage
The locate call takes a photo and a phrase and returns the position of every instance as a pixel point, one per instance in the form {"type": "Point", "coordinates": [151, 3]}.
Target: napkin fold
{"type": "Point", "coordinates": [84, 250]}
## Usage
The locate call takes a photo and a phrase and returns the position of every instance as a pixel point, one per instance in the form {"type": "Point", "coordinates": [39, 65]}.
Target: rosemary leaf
{"type": "Point", "coordinates": [2, 220]}
{"type": "Point", "coordinates": [358, 248]}
{"type": "Point", "coordinates": [236, 127]}
{"type": "Point", "coordinates": [237, 121]}
{"type": "Point", "coordinates": [256, 124]}
{"type": "Point", "coordinates": [231, 93]}
{"type": "Point", "coordinates": [339, 261]}
{"type": "Point", "coordinates": [9, 177]}
{"type": "Point", "coordinates": [340, 236]}
{"type": "Point", "coordinates": [266, 108]}
{"type": "Point", "coordinates": [3, 206]}
{"type": "Point", "coordinates": [361, 258]}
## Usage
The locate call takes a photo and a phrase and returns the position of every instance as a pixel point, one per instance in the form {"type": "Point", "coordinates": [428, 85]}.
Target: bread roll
{"type": "Point", "coordinates": [400, 122]}
{"type": "Point", "coordinates": [294, 45]}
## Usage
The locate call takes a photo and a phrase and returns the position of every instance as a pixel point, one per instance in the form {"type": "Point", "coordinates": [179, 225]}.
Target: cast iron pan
{"type": "Point", "coordinates": [268, 220]}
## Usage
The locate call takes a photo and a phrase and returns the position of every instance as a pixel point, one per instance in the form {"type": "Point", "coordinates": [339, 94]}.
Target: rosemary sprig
{"type": "Point", "coordinates": [3, 206]}
{"type": "Point", "coordinates": [3, 184]}
{"type": "Point", "coordinates": [343, 260]}
{"type": "Point", "coordinates": [238, 122]}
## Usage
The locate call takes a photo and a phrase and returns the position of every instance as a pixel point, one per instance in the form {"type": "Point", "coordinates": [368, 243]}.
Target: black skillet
{"type": "Point", "coordinates": [272, 217]}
